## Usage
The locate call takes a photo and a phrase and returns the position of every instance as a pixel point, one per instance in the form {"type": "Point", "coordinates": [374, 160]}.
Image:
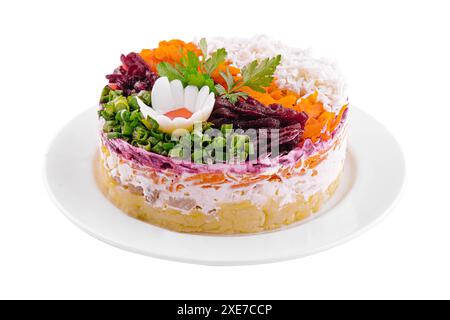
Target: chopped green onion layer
{"type": "Point", "coordinates": [123, 120]}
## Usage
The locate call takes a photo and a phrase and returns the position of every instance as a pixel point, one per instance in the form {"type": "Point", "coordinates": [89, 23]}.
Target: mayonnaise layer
{"type": "Point", "coordinates": [184, 190]}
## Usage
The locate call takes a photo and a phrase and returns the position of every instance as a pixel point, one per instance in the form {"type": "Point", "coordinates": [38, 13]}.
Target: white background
{"type": "Point", "coordinates": [54, 55]}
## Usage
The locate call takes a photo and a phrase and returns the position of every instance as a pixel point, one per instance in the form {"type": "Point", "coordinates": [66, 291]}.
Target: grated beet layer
{"type": "Point", "coordinates": [133, 75]}
{"type": "Point", "coordinates": [251, 114]}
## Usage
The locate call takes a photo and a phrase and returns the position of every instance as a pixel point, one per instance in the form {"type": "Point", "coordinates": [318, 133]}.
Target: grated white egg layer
{"type": "Point", "coordinates": [298, 70]}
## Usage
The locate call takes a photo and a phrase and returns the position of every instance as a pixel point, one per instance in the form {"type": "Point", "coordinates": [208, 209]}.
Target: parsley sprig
{"type": "Point", "coordinates": [217, 57]}
{"type": "Point", "coordinates": [256, 76]}
{"type": "Point", "coordinates": [193, 70]}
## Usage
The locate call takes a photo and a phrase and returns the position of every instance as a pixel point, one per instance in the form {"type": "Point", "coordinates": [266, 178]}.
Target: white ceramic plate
{"type": "Point", "coordinates": [373, 178]}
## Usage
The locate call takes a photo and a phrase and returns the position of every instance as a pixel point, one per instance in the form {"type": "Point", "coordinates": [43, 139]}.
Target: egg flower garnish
{"type": "Point", "coordinates": [175, 107]}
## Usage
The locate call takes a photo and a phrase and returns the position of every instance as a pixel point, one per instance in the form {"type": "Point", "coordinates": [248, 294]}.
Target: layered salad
{"type": "Point", "coordinates": [221, 135]}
